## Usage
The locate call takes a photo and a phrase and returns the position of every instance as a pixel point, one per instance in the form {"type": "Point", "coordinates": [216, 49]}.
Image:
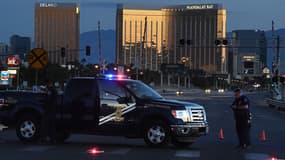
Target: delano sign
{"type": "Point", "coordinates": [202, 6]}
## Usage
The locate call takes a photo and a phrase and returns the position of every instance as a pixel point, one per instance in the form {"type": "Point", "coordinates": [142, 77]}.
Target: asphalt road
{"type": "Point", "coordinates": [206, 148]}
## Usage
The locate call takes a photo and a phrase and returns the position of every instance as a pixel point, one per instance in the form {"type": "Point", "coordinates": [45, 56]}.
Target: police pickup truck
{"type": "Point", "coordinates": [109, 106]}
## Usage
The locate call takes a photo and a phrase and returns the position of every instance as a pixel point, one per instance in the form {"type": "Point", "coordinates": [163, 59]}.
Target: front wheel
{"type": "Point", "coordinates": [28, 129]}
{"type": "Point", "coordinates": [156, 133]}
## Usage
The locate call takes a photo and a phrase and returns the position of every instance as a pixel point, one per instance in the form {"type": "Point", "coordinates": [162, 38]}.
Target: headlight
{"type": "Point", "coordinates": [179, 92]}
{"type": "Point", "coordinates": [181, 114]}
{"type": "Point", "coordinates": [207, 91]}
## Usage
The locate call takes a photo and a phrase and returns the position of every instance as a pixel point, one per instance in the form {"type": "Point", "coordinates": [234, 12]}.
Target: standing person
{"type": "Point", "coordinates": [242, 115]}
{"type": "Point", "coordinates": [48, 123]}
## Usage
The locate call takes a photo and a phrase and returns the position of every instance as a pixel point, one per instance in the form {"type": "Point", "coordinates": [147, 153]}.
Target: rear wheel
{"type": "Point", "coordinates": [156, 133]}
{"type": "Point", "coordinates": [28, 128]}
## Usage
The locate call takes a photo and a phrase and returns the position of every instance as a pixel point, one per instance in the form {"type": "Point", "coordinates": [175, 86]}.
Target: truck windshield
{"type": "Point", "coordinates": [141, 90]}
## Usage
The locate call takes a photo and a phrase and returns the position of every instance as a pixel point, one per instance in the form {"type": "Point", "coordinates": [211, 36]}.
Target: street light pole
{"type": "Point", "coordinates": [278, 61]}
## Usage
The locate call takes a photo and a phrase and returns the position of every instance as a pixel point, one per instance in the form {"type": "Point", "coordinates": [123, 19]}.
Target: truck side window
{"type": "Point", "coordinates": [79, 90]}
{"type": "Point", "coordinates": [110, 92]}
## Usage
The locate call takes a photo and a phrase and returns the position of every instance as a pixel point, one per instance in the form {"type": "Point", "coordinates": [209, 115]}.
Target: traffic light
{"type": "Point", "coordinates": [62, 51]}
{"type": "Point", "coordinates": [274, 84]}
{"type": "Point", "coordinates": [182, 41]}
{"type": "Point", "coordinates": [188, 42]}
{"type": "Point", "coordinates": [88, 52]}
{"type": "Point", "coordinates": [221, 42]}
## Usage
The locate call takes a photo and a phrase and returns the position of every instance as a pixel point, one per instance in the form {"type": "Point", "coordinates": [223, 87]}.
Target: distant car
{"type": "Point", "coordinates": [178, 93]}
{"type": "Point", "coordinates": [221, 90]}
{"type": "Point", "coordinates": [207, 91]}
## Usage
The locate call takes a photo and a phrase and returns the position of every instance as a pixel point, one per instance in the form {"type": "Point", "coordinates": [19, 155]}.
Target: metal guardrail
{"type": "Point", "coordinates": [280, 105]}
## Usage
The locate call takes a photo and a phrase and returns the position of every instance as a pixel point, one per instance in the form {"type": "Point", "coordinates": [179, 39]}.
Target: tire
{"type": "Point", "coordinates": [181, 144]}
{"type": "Point", "coordinates": [156, 134]}
{"type": "Point", "coordinates": [28, 128]}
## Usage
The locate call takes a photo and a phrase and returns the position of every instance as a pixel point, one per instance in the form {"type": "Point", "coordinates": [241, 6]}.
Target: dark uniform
{"type": "Point", "coordinates": [48, 123]}
{"type": "Point", "coordinates": [243, 120]}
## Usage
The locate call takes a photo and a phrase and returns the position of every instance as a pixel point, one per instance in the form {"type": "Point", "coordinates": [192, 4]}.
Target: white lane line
{"type": "Point", "coordinates": [36, 148]}
{"type": "Point", "coordinates": [187, 154]}
{"type": "Point", "coordinates": [121, 151]}
{"type": "Point", "coordinates": [256, 156]}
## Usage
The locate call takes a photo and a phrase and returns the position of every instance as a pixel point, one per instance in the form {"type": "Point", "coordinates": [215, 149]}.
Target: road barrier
{"type": "Point", "coordinates": [279, 105]}
{"type": "Point", "coordinates": [221, 134]}
{"type": "Point", "coordinates": [262, 136]}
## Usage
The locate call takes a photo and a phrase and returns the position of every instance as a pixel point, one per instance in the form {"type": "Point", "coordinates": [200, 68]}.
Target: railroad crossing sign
{"type": "Point", "coordinates": [38, 58]}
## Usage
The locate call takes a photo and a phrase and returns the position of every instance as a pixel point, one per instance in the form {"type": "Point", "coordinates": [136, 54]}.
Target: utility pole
{"type": "Point", "coordinates": [278, 61]}
{"type": "Point", "coordinates": [142, 49]}
{"type": "Point", "coordinates": [99, 48]}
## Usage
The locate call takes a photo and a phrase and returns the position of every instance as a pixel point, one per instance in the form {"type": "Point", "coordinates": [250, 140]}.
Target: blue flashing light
{"type": "Point", "coordinates": [109, 76]}
{"type": "Point", "coordinates": [112, 76]}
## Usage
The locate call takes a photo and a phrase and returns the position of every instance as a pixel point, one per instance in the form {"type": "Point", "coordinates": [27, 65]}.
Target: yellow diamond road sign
{"type": "Point", "coordinates": [38, 58]}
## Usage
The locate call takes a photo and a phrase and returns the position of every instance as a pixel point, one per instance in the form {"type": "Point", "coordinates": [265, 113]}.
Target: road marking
{"type": "Point", "coordinates": [187, 154]}
{"type": "Point", "coordinates": [221, 96]}
{"type": "Point", "coordinates": [121, 151]}
{"type": "Point", "coordinates": [36, 148]}
{"type": "Point", "coordinates": [2, 127]}
{"type": "Point", "coordinates": [256, 156]}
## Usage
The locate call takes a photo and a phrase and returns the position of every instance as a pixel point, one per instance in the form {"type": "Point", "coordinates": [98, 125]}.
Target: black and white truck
{"type": "Point", "coordinates": [106, 105]}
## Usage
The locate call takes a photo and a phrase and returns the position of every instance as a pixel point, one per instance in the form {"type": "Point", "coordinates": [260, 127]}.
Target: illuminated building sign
{"type": "Point", "coordinates": [4, 75]}
{"type": "Point", "coordinates": [248, 57]}
{"type": "Point", "coordinates": [12, 61]}
{"type": "Point", "coordinates": [48, 5]}
{"type": "Point", "coordinates": [201, 6]}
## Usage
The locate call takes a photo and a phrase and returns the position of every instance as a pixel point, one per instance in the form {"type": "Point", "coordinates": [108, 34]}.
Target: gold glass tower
{"type": "Point", "coordinates": [57, 26]}
{"type": "Point", "coordinates": [183, 34]}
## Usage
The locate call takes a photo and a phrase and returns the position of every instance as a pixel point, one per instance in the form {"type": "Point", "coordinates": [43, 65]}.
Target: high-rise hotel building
{"type": "Point", "coordinates": [182, 34]}
{"type": "Point", "coordinates": [56, 27]}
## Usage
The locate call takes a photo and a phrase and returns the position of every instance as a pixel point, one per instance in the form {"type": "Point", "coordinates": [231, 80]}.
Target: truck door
{"type": "Point", "coordinates": [80, 108]}
{"type": "Point", "coordinates": [115, 103]}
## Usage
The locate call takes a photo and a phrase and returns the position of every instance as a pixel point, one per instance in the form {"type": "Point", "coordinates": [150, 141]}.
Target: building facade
{"type": "Point", "coordinates": [183, 34]}
{"type": "Point", "coordinates": [20, 46]}
{"type": "Point", "coordinates": [56, 27]}
{"type": "Point", "coordinates": [249, 50]}
{"type": "Point", "coordinates": [4, 49]}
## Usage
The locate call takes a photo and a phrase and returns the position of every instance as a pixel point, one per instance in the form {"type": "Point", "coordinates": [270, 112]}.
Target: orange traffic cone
{"type": "Point", "coordinates": [262, 136]}
{"type": "Point", "coordinates": [221, 134]}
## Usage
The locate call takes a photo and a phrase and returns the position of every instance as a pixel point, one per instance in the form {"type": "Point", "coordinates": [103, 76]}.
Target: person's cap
{"type": "Point", "coordinates": [237, 90]}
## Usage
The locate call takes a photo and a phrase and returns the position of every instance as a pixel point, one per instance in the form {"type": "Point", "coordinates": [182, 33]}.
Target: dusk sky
{"type": "Point", "coordinates": [17, 16]}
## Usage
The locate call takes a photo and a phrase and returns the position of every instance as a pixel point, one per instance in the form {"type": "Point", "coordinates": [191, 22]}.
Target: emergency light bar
{"type": "Point", "coordinates": [114, 76]}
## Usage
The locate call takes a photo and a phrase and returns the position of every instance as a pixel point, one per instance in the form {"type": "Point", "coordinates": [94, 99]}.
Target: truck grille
{"type": "Point", "coordinates": [197, 114]}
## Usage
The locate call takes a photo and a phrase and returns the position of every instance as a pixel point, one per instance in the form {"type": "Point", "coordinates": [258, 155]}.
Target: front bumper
{"type": "Point", "coordinates": [189, 132]}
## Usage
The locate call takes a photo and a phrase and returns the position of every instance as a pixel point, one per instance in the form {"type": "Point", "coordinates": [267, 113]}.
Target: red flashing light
{"type": "Point", "coordinates": [120, 76]}
{"type": "Point", "coordinates": [273, 158]}
{"type": "Point", "coordinates": [94, 151]}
